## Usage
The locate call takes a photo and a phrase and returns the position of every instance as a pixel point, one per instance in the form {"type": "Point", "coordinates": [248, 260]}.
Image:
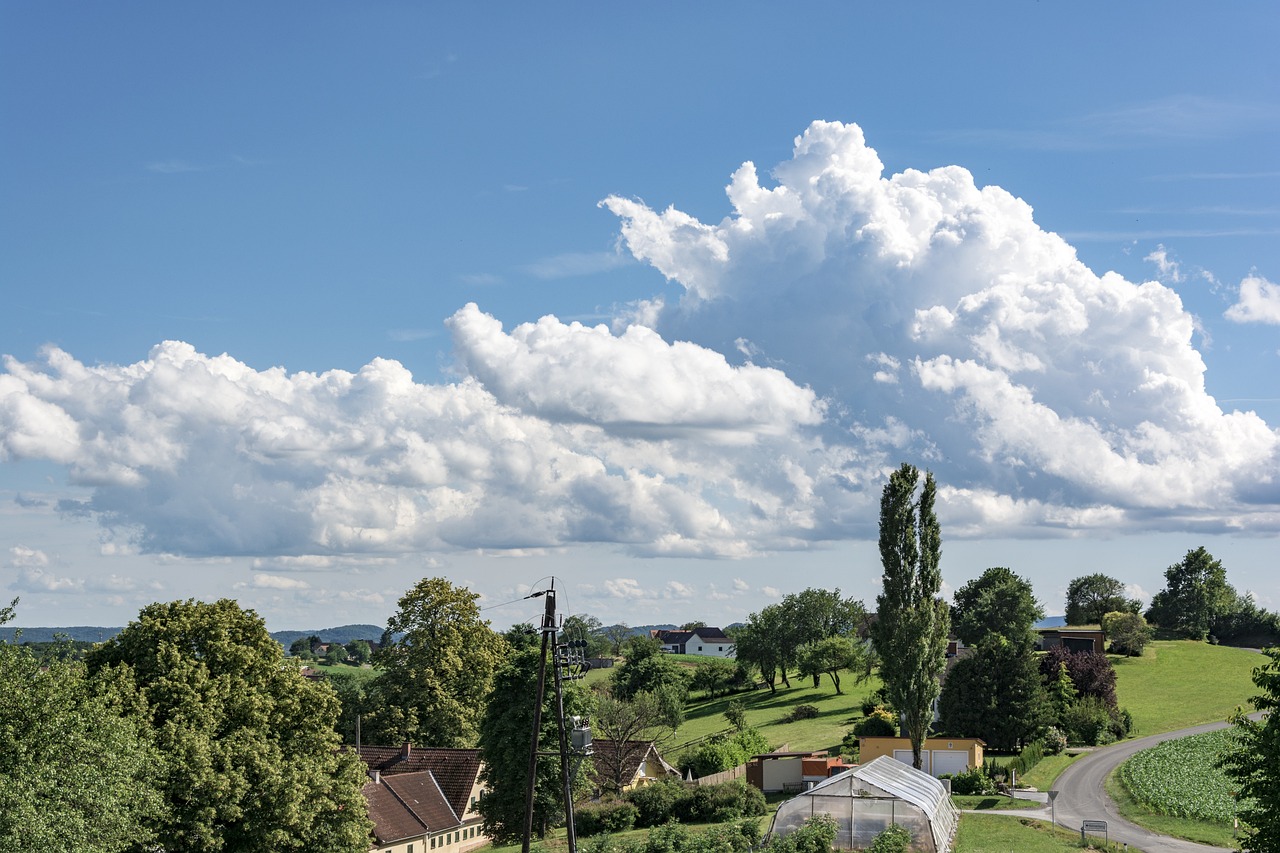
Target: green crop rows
{"type": "Point", "coordinates": [1179, 778]}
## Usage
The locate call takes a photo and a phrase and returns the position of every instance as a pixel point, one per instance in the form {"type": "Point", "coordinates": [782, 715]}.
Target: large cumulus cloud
{"type": "Point", "coordinates": [836, 322]}
{"type": "Point", "coordinates": [202, 455]}
{"type": "Point", "coordinates": [1043, 392]}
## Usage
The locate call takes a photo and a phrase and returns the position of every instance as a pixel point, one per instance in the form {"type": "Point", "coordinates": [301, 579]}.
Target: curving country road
{"type": "Point", "coordinates": [1082, 795]}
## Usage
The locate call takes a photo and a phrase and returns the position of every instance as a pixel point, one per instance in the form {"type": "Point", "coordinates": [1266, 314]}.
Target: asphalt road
{"type": "Point", "coordinates": [1082, 795]}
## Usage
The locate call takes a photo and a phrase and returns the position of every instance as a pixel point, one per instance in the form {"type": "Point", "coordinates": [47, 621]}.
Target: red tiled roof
{"type": "Point", "coordinates": [455, 770]}
{"type": "Point", "coordinates": [407, 805]}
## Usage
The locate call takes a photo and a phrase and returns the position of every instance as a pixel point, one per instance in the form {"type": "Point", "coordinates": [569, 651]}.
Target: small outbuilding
{"type": "Point", "coordinates": [864, 801]}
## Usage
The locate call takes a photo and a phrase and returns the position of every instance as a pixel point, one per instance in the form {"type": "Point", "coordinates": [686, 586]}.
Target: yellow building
{"type": "Point", "coordinates": [938, 755]}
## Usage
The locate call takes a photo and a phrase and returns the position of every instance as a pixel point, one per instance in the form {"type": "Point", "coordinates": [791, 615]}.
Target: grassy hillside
{"type": "Point", "coordinates": [767, 712]}
{"type": "Point", "coordinates": [1180, 683]}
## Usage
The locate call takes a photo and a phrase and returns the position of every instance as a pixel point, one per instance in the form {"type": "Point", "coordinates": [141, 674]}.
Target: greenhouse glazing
{"type": "Point", "coordinates": [865, 800]}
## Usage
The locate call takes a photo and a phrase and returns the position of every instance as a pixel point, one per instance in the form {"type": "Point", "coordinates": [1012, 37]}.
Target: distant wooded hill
{"type": "Point", "coordinates": [89, 634]}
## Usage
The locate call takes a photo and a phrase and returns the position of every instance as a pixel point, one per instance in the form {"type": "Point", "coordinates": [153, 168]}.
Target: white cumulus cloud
{"type": "Point", "coordinates": [1259, 302]}
{"type": "Point", "coordinates": [836, 322]}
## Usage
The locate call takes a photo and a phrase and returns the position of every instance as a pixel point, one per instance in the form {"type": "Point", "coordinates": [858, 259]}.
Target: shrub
{"type": "Point", "coordinates": [719, 803]}
{"type": "Point", "coordinates": [655, 803]}
{"type": "Point", "coordinates": [849, 745]}
{"type": "Point", "coordinates": [816, 835]}
{"type": "Point", "coordinates": [723, 753]}
{"type": "Point", "coordinates": [894, 839]}
{"type": "Point", "coordinates": [1054, 740]}
{"type": "Point", "coordinates": [736, 714]}
{"type": "Point", "coordinates": [1030, 756]}
{"type": "Point", "coordinates": [801, 712]}
{"type": "Point", "coordinates": [609, 816]}
{"type": "Point", "coordinates": [602, 844]}
{"type": "Point", "coordinates": [972, 781]}
{"type": "Point", "coordinates": [1088, 721]}
{"type": "Point", "coordinates": [879, 723]}
{"type": "Point", "coordinates": [876, 699]}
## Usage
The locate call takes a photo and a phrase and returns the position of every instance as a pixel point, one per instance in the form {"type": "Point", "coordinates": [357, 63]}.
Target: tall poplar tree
{"type": "Point", "coordinates": [910, 632]}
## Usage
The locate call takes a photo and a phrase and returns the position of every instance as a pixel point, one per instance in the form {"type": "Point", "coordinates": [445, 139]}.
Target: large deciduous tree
{"type": "Point", "coordinates": [995, 693]}
{"type": "Point", "coordinates": [1254, 763]}
{"type": "Point", "coordinates": [441, 656]}
{"type": "Point", "coordinates": [830, 655]}
{"type": "Point", "coordinates": [1196, 593]}
{"type": "Point", "coordinates": [910, 631]}
{"type": "Point", "coordinates": [249, 755]}
{"type": "Point", "coordinates": [506, 727]}
{"type": "Point", "coordinates": [998, 602]}
{"type": "Point", "coordinates": [1128, 633]}
{"type": "Point", "coordinates": [755, 644]}
{"type": "Point", "coordinates": [1091, 597]}
{"type": "Point", "coordinates": [647, 670]}
{"type": "Point", "coordinates": [631, 724]}
{"type": "Point", "coordinates": [76, 771]}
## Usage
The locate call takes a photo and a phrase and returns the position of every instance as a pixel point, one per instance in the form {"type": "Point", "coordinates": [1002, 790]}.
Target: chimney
{"type": "Point", "coordinates": [377, 777]}
{"type": "Point", "coordinates": [406, 750]}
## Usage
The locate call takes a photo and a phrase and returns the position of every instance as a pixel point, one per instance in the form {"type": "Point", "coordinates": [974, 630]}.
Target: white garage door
{"type": "Point", "coordinates": [904, 755]}
{"type": "Point", "coordinates": [949, 761]}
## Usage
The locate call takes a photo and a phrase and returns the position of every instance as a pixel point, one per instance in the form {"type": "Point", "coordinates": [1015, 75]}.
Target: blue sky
{"type": "Point", "coordinates": [303, 303]}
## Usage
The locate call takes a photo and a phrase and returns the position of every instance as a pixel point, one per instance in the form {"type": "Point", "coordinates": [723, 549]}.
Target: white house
{"type": "Point", "coordinates": [708, 642]}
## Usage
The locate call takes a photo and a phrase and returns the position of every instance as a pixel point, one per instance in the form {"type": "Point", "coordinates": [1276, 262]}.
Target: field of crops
{"type": "Point", "coordinates": [1179, 778]}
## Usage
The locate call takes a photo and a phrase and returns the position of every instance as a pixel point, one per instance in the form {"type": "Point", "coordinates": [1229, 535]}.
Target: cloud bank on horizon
{"type": "Point", "coordinates": [834, 324]}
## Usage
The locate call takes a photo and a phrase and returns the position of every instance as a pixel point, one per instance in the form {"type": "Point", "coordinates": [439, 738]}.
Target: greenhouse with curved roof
{"type": "Point", "coordinates": [866, 800]}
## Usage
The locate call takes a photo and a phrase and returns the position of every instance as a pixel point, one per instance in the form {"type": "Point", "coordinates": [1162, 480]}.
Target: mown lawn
{"type": "Point", "coordinates": [983, 802]}
{"type": "Point", "coordinates": [981, 833]}
{"type": "Point", "coordinates": [767, 712]}
{"type": "Point", "coordinates": [1181, 683]}
{"type": "Point", "coordinates": [1043, 775]}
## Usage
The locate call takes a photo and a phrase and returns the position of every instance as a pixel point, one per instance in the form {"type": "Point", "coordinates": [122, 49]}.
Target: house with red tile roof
{"type": "Point", "coordinates": [423, 799]}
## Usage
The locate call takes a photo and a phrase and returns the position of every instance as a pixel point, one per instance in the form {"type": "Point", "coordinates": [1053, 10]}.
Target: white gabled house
{"type": "Point", "coordinates": [708, 642]}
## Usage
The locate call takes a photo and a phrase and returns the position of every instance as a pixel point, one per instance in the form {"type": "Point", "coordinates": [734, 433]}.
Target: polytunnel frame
{"type": "Point", "coordinates": [889, 792]}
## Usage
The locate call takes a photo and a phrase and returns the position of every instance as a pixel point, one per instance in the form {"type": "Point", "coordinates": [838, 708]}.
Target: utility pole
{"type": "Point", "coordinates": [569, 662]}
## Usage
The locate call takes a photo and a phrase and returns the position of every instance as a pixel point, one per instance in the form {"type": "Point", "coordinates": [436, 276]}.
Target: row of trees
{"type": "Point", "coordinates": [812, 633]}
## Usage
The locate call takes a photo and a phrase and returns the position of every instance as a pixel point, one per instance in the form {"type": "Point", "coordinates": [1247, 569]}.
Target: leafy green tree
{"type": "Point", "coordinates": [505, 728]}
{"type": "Point", "coordinates": [755, 644]}
{"type": "Point", "coordinates": [337, 654]}
{"type": "Point", "coordinates": [714, 676]}
{"type": "Point", "coordinates": [348, 687]}
{"type": "Point", "coordinates": [647, 670]}
{"type": "Point", "coordinates": [586, 627]}
{"type": "Point", "coordinates": [617, 635]}
{"type": "Point", "coordinates": [1091, 597]}
{"type": "Point", "coordinates": [911, 630]}
{"type": "Point", "coordinates": [249, 757]}
{"type": "Point", "coordinates": [1196, 592]}
{"type": "Point", "coordinates": [359, 652]}
{"type": "Point", "coordinates": [694, 625]}
{"type": "Point", "coordinates": [830, 656]}
{"type": "Point", "coordinates": [301, 647]}
{"type": "Point", "coordinates": [816, 614]}
{"type": "Point", "coordinates": [995, 693]}
{"type": "Point", "coordinates": [632, 724]}
{"type": "Point", "coordinates": [77, 772]}
{"type": "Point", "coordinates": [998, 602]}
{"type": "Point", "coordinates": [442, 658]}
{"type": "Point", "coordinates": [1128, 633]}
{"type": "Point", "coordinates": [1254, 762]}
